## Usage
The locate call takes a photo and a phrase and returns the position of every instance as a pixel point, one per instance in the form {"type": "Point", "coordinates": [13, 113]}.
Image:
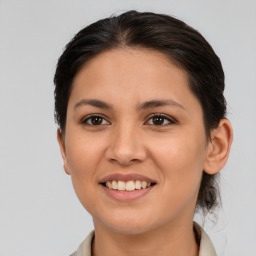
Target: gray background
{"type": "Point", "coordinates": [39, 212]}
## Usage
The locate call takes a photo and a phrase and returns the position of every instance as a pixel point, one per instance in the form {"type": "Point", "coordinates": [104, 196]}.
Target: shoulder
{"type": "Point", "coordinates": [206, 247]}
{"type": "Point", "coordinates": [85, 247]}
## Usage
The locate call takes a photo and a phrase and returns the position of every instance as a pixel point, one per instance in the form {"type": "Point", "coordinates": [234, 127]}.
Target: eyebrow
{"type": "Point", "coordinates": [94, 103]}
{"type": "Point", "coordinates": [158, 103]}
{"type": "Point", "coordinates": [142, 106]}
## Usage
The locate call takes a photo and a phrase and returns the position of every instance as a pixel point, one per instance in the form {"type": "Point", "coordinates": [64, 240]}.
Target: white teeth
{"type": "Point", "coordinates": [109, 184]}
{"type": "Point", "coordinates": [144, 184]}
{"type": "Point", "coordinates": [128, 186]}
{"type": "Point", "coordinates": [120, 185]}
{"type": "Point", "coordinates": [138, 184]}
{"type": "Point", "coordinates": [114, 184]}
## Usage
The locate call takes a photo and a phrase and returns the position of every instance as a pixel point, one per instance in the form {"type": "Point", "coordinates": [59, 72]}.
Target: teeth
{"type": "Point", "coordinates": [138, 184]}
{"type": "Point", "coordinates": [114, 184]}
{"type": "Point", "coordinates": [120, 185]}
{"type": "Point", "coordinates": [144, 184]}
{"type": "Point", "coordinates": [109, 184]}
{"type": "Point", "coordinates": [128, 186]}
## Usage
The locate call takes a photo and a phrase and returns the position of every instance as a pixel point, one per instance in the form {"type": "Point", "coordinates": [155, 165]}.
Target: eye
{"type": "Point", "coordinates": [94, 120]}
{"type": "Point", "coordinates": [160, 120]}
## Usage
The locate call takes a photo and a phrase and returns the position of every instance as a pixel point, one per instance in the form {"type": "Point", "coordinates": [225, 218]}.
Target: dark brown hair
{"type": "Point", "coordinates": [185, 46]}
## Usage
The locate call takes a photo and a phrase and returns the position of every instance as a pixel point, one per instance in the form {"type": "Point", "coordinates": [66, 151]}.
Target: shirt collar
{"type": "Point", "coordinates": [205, 248]}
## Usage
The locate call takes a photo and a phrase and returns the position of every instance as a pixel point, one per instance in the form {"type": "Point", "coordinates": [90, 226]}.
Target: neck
{"type": "Point", "coordinates": [173, 240]}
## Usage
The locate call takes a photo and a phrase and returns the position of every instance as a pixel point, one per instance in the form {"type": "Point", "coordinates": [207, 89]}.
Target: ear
{"type": "Point", "coordinates": [61, 142]}
{"type": "Point", "coordinates": [218, 147]}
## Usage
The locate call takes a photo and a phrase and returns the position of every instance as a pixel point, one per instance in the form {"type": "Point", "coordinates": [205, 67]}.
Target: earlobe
{"type": "Point", "coordinates": [63, 151]}
{"type": "Point", "coordinates": [219, 147]}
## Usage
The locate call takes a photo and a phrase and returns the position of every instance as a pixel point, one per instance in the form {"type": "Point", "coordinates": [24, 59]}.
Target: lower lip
{"type": "Point", "coordinates": [126, 195]}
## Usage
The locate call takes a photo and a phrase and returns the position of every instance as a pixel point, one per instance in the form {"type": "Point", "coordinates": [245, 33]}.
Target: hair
{"type": "Point", "coordinates": [182, 44]}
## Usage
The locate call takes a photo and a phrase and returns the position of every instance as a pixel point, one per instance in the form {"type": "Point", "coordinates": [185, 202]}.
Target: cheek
{"type": "Point", "coordinates": [83, 158]}
{"type": "Point", "coordinates": [83, 154]}
{"type": "Point", "coordinates": [181, 161]}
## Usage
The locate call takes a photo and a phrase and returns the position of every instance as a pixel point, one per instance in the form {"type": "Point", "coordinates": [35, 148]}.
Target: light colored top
{"type": "Point", "coordinates": [206, 246]}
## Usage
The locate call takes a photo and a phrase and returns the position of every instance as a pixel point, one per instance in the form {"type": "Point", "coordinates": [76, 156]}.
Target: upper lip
{"type": "Point", "coordinates": [126, 177]}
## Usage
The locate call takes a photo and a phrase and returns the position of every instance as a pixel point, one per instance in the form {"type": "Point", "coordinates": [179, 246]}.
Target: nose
{"type": "Point", "coordinates": [126, 146]}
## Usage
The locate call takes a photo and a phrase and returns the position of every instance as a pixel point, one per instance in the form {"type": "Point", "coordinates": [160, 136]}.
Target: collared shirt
{"type": "Point", "coordinates": [206, 247]}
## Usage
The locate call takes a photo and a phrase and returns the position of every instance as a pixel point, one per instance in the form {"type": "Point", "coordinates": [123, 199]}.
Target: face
{"type": "Point", "coordinates": [134, 143]}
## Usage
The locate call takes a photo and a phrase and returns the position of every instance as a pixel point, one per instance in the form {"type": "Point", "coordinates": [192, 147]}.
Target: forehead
{"type": "Point", "coordinates": [133, 75]}
{"type": "Point", "coordinates": [130, 65]}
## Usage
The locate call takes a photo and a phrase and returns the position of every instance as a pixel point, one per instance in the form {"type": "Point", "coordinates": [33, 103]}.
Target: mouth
{"type": "Point", "coordinates": [126, 187]}
{"type": "Point", "coordinates": [129, 185]}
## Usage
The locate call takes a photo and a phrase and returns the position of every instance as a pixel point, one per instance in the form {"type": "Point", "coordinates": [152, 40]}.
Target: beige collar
{"type": "Point", "coordinates": [206, 247]}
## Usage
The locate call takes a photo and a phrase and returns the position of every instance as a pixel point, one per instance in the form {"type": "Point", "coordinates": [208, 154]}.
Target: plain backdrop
{"type": "Point", "coordinates": [39, 212]}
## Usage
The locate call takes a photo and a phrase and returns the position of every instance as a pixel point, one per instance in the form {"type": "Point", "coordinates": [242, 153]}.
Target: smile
{"type": "Point", "coordinates": [126, 187]}
{"type": "Point", "coordinates": [130, 185]}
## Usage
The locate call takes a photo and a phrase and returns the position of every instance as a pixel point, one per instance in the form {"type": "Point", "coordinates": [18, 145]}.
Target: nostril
{"type": "Point", "coordinates": [125, 148]}
{"type": "Point", "coordinates": [124, 161]}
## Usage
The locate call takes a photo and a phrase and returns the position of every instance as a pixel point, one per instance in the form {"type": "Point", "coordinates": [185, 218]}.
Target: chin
{"type": "Point", "coordinates": [128, 225]}
{"type": "Point", "coordinates": [129, 229]}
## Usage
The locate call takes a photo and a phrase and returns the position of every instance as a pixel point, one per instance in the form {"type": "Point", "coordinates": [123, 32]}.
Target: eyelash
{"type": "Point", "coordinates": [170, 121]}
{"type": "Point", "coordinates": [164, 117]}
{"type": "Point", "coordinates": [85, 120]}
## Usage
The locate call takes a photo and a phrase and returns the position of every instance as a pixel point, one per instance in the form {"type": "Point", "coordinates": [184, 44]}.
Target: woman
{"type": "Point", "coordinates": [142, 132]}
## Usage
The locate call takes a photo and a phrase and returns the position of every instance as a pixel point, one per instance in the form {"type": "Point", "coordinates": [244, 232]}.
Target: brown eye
{"type": "Point", "coordinates": [157, 120]}
{"type": "Point", "coordinates": [160, 120]}
{"type": "Point", "coordinates": [95, 120]}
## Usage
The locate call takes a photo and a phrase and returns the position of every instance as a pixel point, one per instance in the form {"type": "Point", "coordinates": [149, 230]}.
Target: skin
{"type": "Point", "coordinates": [173, 154]}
